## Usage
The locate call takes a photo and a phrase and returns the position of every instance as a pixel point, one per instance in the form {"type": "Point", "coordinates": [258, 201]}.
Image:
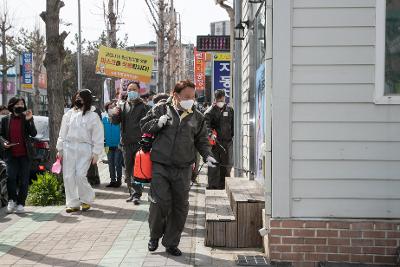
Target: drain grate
{"type": "Point", "coordinates": [252, 261]}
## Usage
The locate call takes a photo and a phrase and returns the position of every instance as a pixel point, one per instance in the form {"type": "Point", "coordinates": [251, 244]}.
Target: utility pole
{"type": "Point", "coordinates": [79, 48]}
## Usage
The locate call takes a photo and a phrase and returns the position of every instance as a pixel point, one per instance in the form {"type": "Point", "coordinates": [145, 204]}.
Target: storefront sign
{"type": "Point", "coordinates": [213, 43]}
{"type": "Point", "coordinates": [200, 70]}
{"type": "Point", "coordinates": [222, 73]}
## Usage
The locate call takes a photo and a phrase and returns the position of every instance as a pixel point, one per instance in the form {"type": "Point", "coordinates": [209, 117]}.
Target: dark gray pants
{"type": "Point", "coordinates": [216, 176]}
{"type": "Point", "coordinates": [18, 169]}
{"type": "Point", "coordinates": [129, 152]}
{"type": "Point", "coordinates": [169, 205]}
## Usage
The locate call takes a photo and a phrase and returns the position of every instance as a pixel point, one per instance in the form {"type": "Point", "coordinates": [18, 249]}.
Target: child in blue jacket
{"type": "Point", "coordinates": [114, 154]}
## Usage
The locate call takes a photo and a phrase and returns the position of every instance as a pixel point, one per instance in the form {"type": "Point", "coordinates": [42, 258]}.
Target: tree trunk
{"type": "Point", "coordinates": [54, 65]}
{"type": "Point", "coordinates": [4, 93]}
{"type": "Point", "coordinates": [161, 47]}
{"type": "Point", "coordinates": [112, 37]}
{"type": "Point", "coordinates": [112, 18]}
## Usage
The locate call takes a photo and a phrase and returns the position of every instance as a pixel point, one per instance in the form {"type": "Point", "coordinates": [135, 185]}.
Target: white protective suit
{"type": "Point", "coordinates": [80, 138]}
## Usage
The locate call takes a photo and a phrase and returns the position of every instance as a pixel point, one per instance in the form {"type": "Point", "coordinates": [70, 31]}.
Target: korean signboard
{"type": "Point", "coordinates": [213, 43]}
{"type": "Point", "coordinates": [200, 70]}
{"type": "Point", "coordinates": [222, 73]}
{"type": "Point", "coordinates": [124, 64]}
{"type": "Point", "coordinates": [27, 72]}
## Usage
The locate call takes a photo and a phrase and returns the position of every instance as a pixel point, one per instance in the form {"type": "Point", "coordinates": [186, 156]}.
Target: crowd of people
{"type": "Point", "coordinates": [181, 131]}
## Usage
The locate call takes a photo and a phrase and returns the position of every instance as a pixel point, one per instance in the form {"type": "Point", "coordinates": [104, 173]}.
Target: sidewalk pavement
{"type": "Point", "coordinates": [112, 233]}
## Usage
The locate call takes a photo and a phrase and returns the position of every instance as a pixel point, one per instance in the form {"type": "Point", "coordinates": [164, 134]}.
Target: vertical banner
{"type": "Point", "coordinates": [200, 70]}
{"type": "Point", "coordinates": [27, 71]}
{"type": "Point", "coordinates": [260, 123]}
{"type": "Point", "coordinates": [222, 73]}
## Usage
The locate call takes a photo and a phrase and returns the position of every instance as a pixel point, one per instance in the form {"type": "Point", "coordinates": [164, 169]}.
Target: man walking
{"type": "Point", "coordinates": [128, 114]}
{"type": "Point", "coordinates": [219, 118]}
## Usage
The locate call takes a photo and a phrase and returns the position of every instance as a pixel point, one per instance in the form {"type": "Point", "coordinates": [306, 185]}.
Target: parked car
{"type": "Point", "coordinates": [41, 161]}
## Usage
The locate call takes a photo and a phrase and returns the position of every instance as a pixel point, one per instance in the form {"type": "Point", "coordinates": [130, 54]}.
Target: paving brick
{"type": "Point", "coordinates": [113, 233]}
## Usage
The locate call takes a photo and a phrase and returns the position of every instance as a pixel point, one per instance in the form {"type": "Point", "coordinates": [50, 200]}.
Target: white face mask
{"type": "Point", "coordinates": [186, 104]}
{"type": "Point", "coordinates": [220, 104]}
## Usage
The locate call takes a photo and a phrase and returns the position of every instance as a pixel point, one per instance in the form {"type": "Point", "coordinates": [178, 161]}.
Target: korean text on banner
{"type": "Point", "coordinates": [27, 76]}
{"type": "Point", "coordinates": [200, 70]}
{"type": "Point", "coordinates": [124, 64]}
{"type": "Point", "coordinates": [222, 73]}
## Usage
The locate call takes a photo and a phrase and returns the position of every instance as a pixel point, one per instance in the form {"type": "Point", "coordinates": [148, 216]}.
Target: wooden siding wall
{"type": "Point", "coordinates": [345, 150]}
{"type": "Point", "coordinates": [246, 76]}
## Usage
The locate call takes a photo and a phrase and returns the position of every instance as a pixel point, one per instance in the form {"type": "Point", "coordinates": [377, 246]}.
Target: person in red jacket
{"type": "Point", "coordinates": [16, 132]}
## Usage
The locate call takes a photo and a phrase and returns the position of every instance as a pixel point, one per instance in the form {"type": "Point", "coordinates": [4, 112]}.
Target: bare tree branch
{"type": "Point", "coordinates": [156, 22]}
{"type": "Point", "coordinates": [228, 8]}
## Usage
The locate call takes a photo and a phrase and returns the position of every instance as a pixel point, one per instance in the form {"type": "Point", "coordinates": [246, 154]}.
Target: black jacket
{"type": "Point", "coordinates": [177, 141]}
{"type": "Point", "coordinates": [220, 120]}
{"type": "Point", "coordinates": [28, 131]}
{"type": "Point", "coordinates": [129, 118]}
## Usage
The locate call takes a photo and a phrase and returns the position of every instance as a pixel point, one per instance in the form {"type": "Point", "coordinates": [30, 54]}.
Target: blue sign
{"type": "Point", "coordinates": [260, 122]}
{"type": "Point", "coordinates": [27, 70]}
{"type": "Point", "coordinates": [222, 77]}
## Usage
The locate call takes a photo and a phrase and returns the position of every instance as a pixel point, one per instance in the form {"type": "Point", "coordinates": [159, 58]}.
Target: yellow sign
{"type": "Point", "coordinates": [124, 64]}
{"type": "Point", "coordinates": [222, 56]}
{"type": "Point", "coordinates": [27, 86]}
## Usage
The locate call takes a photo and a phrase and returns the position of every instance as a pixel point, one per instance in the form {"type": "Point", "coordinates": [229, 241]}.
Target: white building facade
{"type": "Point", "coordinates": [331, 145]}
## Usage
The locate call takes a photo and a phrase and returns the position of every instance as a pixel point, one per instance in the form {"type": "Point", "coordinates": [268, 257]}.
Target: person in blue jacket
{"type": "Point", "coordinates": [112, 134]}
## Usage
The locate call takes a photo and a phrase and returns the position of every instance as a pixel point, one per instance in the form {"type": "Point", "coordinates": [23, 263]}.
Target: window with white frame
{"type": "Point", "coordinates": [388, 52]}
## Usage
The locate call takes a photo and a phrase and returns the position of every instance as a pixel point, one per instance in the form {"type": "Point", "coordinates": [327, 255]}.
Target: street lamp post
{"type": "Point", "coordinates": [79, 48]}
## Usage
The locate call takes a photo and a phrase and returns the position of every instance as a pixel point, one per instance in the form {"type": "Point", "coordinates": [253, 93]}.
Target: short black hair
{"type": "Point", "coordinates": [160, 97]}
{"type": "Point", "coordinates": [182, 85]}
{"type": "Point", "coordinates": [133, 82]}
{"type": "Point", "coordinates": [13, 101]}
{"type": "Point", "coordinates": [2, 107]}
{"type": "Point", "coordinates": [219, 94]}
{"type": "Point", "coordinates": [108, 104]}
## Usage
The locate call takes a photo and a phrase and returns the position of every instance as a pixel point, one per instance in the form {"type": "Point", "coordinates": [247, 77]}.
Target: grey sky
{"type": "Point", "coordinates": [196, 17]}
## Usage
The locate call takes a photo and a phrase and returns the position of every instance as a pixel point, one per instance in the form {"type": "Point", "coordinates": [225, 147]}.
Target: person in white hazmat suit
{"type": "Point", "coordinates": [80, 143]}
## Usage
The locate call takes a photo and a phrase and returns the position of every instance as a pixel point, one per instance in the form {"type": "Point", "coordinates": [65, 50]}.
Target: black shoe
{"type": "Point", "coordinates": [129, 199]}
{"type": "Point", "coordinates": [111, 184]}
{"type": "Point", "coordinates": [136, 201]}
{"type": "Point", "coordinates": [174, 251]}
{"type": "Point", "coordinates": [118, 183]}
{"type": "Point", "coordinates": [152, 245]}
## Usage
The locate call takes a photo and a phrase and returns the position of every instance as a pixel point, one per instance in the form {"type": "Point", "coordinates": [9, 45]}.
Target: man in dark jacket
{"type": "Point", "coordinates": [219, 118]}
{"type": "Point", "coordinates": [128, 114]}
{"type": "Point", "coordinates": [179, 131]}
{"type": "Point", "coordinates": [16, 132]}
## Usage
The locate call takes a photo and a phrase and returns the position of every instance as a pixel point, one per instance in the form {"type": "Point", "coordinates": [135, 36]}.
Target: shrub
{"type": "Point", "coordinates": [47, 190]}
